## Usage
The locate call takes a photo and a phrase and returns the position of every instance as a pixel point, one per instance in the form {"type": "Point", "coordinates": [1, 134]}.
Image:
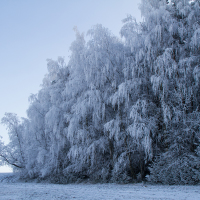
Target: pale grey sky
{"type": "Point", "coordinates": [33, 30]}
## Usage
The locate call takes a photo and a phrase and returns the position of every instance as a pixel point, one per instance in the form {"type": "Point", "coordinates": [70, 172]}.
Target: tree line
{"type": "Point", "coordinates": [122, 109]}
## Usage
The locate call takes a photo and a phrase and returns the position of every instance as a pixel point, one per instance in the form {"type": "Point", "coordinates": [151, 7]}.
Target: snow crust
{"type": "Point", "coordinates": [21, 191]}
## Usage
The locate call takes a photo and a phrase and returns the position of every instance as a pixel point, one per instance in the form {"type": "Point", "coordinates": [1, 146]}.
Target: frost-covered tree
{"type": "Point", "coordinates": [14, 152]}
{"type": "Point", "coordinates": [46, 115]}
{"type": "Point", "coordinates": [101, 72]}
{"type": "Point", "coordinates": [142, 110]}
{"type": "Point", "coordinates": [175, 84]}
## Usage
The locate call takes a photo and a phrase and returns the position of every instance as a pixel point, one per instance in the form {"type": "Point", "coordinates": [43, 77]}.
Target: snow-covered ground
{"type": "Point", "coordinates": [38, 191]}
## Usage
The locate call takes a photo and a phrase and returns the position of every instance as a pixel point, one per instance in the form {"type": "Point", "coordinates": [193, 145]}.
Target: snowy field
{"type": "Point", "coordinates": [28, 191]}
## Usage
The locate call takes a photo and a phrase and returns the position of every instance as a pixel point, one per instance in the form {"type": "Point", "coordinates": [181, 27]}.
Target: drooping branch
{"type": "Point", "coordinates": [10, 162]}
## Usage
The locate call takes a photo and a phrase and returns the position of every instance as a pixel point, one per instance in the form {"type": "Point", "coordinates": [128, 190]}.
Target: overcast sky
{"type": "Point", "coordinates": [33, 30]}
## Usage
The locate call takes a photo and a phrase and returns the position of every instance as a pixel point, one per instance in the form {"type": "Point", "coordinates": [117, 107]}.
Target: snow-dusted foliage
{"type": "Point", "coordinates": [175, 83]}
{"type": "Point", "coordinates": [121, 110]}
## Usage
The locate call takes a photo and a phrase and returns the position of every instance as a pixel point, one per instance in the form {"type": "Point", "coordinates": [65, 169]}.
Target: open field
{"type": "Point", "coordinates": [22, 191]}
